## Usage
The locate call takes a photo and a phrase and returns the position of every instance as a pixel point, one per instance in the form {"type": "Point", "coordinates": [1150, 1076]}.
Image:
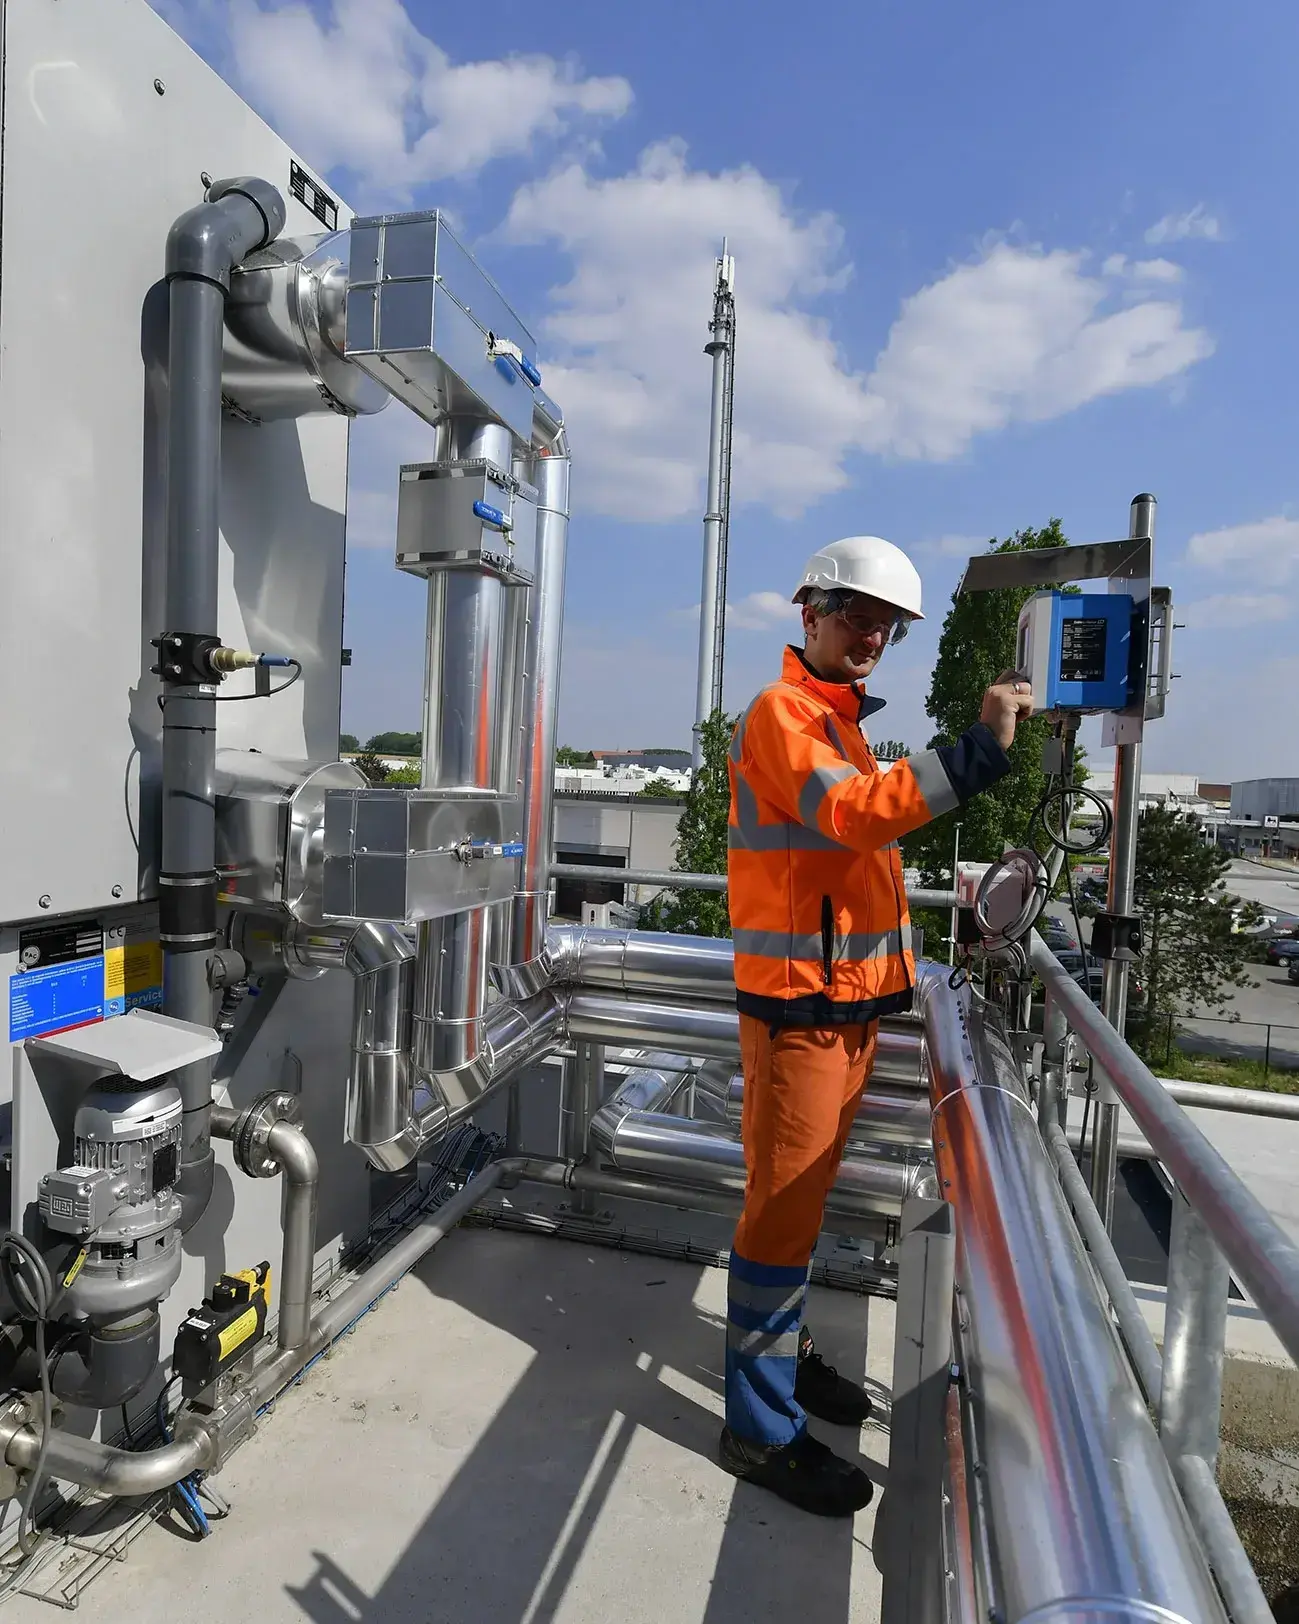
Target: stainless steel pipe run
{"type": "Point", "coordinates": [1083, 1511]}
{"type": "Point", "coordinates": [694, 1153]}
{"type": "Point", "coordinates": [641, 962]}
{"type": "Point", "coordinates": [203, 247]}
{"type": "Point", "coordinates": [711, 1031]}
{"type": "Point", "coordinates": [540, 708]}
{"type": "Point", "coordinates": [286, 1150]}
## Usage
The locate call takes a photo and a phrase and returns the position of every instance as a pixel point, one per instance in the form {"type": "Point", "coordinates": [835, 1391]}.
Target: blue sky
{"type": "Point", "coordinates": [994, 264]}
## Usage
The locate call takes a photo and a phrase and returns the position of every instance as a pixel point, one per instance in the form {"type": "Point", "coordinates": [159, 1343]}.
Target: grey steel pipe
{"type": "Point", "coordinates": [712, 595]}
{"type": "Point", "coordinates": [203, 247]}
{"type": "Point", "coordinates": [1246, 1101]}
{"type": "Point", "coordinates": [639, 876]}
{"type": "Point", "coordinates": [1083, 1510]}
{"type": "Point", "coordinates": [1263, 1258]}
{"type": "Point", "coordinates": [541, 701]}
{"type": "Point", "coordinates": [1121, 900]}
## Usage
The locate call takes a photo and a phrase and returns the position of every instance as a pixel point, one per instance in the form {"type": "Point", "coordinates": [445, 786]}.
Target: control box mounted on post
{"type": "Point", "coordinates": [1077, 650]}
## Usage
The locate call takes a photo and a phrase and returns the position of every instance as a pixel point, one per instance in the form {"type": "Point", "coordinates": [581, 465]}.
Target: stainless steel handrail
{"type": "Point", "coordinates": [1262, 1256]}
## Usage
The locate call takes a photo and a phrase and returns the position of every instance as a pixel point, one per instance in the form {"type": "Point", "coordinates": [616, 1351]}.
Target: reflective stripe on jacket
{"type": "Point", "coordinates": [817, 902]}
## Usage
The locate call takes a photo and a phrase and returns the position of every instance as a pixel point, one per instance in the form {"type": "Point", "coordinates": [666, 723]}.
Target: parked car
{"type": "Point", "coordinates": [1283, 950]}
{"type": "Point", "coordinates": [1089, 972]}
{"type": "Point", "coordinates": [1057, 938]}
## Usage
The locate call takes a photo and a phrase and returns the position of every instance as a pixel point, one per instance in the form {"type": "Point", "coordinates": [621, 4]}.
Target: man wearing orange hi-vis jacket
{"type": "Point", "coordinates": [822, 951]}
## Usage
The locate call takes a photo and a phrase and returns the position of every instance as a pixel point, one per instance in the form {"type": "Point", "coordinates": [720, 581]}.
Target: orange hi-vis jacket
{"type": "Point", "coordinates": [818, 907]}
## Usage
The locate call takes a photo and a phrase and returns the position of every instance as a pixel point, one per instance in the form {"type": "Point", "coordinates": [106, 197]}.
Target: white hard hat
{"type": "Point", "coordinates": [866, 564]}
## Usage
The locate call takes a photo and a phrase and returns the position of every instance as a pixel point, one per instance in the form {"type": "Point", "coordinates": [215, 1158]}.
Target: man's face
{"type": "Point", "coordinates": [846, 646]}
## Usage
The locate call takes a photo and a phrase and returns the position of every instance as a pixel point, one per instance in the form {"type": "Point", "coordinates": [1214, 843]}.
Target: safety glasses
{"type": "Point", "coordinates": [862, 621]}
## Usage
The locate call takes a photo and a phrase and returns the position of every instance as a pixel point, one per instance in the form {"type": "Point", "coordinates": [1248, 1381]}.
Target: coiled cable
{"type": "Point", "coordinates": [30, 1285]}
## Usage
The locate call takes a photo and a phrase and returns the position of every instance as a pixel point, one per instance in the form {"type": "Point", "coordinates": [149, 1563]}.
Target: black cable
{"type": "Point", "coordinates": [230, 699]}
{"type": "Point", "coordinates": [29, 1283]}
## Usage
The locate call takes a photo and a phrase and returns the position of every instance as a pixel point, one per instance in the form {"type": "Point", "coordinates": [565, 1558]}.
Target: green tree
{"type": "Point", "coordinates": [396, 744]}
{"type": "Point", "coordinates": [566, 756]}
{"type": "Point", "coordinates": [977, 644]}
{"type": "Point", "coordinates": [372, 765]}
{"type": "Point", "coordinates": [1191, 959]}
{"type": "Point", "coordinates": [890, 750]}
{"type": "Point", "coordinates": [348, 744]}
{"type": "Point", "coordinates": [659, 789]}
{"type": "Point", "coordinates": [403, 777]}
{"type": "Point", "coordinates": [701, 842]}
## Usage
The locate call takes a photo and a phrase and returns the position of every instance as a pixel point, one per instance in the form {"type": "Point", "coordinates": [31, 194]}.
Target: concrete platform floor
{"type": "Point", "coordinates": [523, 1432]}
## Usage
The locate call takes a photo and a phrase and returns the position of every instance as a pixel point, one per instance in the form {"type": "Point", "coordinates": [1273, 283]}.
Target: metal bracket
{"type": "Point", "coordinates": [1117, 936]}
{"type": "Point", "coordinates": [184, 659]}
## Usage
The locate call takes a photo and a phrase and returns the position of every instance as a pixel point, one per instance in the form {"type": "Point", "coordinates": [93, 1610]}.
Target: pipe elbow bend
{"type": "Point", "coordinates": [208, 241]}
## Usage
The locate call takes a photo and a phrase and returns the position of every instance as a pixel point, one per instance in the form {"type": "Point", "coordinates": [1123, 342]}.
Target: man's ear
{"type": "Point", "coordinates": [810, 618]}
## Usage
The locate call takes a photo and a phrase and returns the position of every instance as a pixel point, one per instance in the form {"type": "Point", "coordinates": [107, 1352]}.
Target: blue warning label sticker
{"type": "Point", "coordinates": [56, 999]}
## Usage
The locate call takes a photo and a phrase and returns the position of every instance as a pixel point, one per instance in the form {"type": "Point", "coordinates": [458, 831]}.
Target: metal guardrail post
{"type": "Point", "coordinates": [1195, 1333]}
{"type": "Point", "coordinates": [909, 1541]}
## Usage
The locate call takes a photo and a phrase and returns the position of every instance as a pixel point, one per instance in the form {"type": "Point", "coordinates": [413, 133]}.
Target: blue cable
{"type": "Point", "coordinates": [186, 1489]}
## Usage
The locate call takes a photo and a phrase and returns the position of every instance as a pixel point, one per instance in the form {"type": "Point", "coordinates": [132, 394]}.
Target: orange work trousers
{"type": "Point", "coordinates": [802, 1086]}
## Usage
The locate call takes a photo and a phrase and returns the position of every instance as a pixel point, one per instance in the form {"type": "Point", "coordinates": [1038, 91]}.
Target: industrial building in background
{"type": "Point", "coordinates": [273, 1031]}
{"type": "Point", "coordinates": [717, 519]}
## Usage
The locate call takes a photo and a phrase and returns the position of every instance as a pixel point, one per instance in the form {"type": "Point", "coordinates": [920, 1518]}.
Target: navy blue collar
{"type": "Point", "coordinates": [868, 704]}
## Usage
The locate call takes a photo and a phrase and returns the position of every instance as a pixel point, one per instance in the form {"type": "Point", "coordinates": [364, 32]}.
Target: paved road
{"type": "Point", "coordinates": [1274, 889]}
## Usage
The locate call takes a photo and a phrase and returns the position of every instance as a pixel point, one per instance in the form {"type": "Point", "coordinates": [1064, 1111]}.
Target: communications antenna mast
{"type": "Point", "coordinates": [717, 519]}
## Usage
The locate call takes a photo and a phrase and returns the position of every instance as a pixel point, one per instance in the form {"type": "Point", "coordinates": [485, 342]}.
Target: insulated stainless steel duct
{"type": "Point", "coordinates": [695, 1153]}
{"type": "Point", "coordinates": [472, 637]}
{"type": "Point", "coordinates": [643, 962]}
{"type": "Point", "coordinates": [1081, 1505]}
{"type": "Point", "coordinates": [540, 712]}
{"type": "Point", "coordinates": [709, 1030]}
{"type": "Point", "coordinates": [203, 247]}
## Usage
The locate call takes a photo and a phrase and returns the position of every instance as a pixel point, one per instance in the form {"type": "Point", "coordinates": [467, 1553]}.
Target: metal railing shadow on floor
{"type": "Point", "coordinates": [557, 1464]}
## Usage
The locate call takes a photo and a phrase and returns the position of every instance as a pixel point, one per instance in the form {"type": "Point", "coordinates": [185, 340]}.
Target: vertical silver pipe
{"type": "Point", "coordinates": [1052, 1100]}
{"type": "Point", "coordinates": [301, 1172]}
{"type": "Point", "coordinates": [541, 702]}
{"type": "Point", "coordinates": [583, 1086]}
{"type": "Point", "coordinates": [1122, 886]}
{"type": "Point", "coordinates": [708, 594]}
{"type": "Point", "coordinates": [1195, 1331]}
{"type": "Point", "coordinates": [465, 678]}
{"type": "Point", "coordinates": [203, 246]}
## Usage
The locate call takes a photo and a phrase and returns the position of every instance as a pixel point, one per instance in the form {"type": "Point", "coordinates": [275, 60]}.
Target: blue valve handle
{"type": "Point", "coordinates": [530, 371]}
{"type": "Point", "coordinates": [491, 515]}
{"type": "Point", "coordinates": [514, 849]}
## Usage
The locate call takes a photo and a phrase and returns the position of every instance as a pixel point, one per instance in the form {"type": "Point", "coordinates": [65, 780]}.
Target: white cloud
{"type": "Point", "coordinates": [953, 546]}
{"type": "Point", "coordinates": [1019, 334]}
{"type": "Point", "coordinates": [363, 89]}
{"type": "Point", "coordinates": [1196, 222]}
{"type": "Point", "coordinates": [1157, 270]}
{"type": "Point", "coordinates": [1268, 549]}
{"type": "Point", "coordinates": [763, 611]}
{"type": "Point", "coordinates": [758, 612]}
{"type": "Point", "coordinates": [1228, 611]}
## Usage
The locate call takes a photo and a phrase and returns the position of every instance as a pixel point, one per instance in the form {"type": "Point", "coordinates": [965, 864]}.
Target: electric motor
{"type": "Point", "coordinates": [118, 1197]}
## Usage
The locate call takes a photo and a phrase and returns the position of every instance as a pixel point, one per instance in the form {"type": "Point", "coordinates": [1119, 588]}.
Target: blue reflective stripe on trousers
{"type": "Point", "coordinates": [764, 1314]}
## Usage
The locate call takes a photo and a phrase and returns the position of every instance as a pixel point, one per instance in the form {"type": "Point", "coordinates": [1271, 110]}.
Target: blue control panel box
{"type": "Point", "coordinates": [1076, 649]}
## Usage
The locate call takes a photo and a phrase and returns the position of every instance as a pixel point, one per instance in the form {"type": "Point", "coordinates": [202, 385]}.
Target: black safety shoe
{"type": "Point", "coordinates": [805, 1473]}
{"type": "Point", "coordinates": [824, 1393]}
